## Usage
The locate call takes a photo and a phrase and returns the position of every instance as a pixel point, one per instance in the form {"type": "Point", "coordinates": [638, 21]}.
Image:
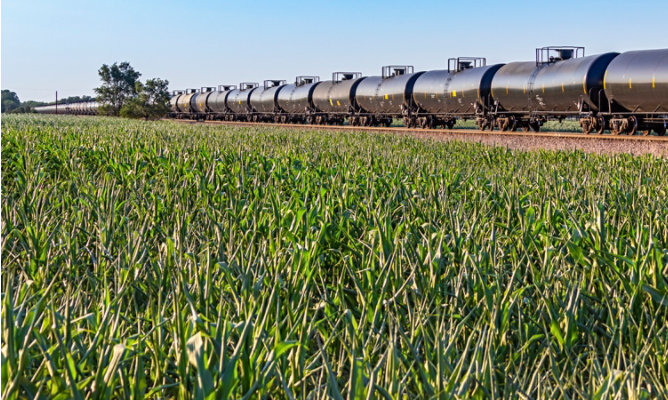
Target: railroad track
{"type": "Point", "coordinates": [450, 132]}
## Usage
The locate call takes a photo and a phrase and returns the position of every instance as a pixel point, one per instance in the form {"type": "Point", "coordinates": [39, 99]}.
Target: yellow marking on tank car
{"type": "Point", "coordinates": [653, 82]}
{"type": "Point", "coordinates": [562, 88]}
{"type": "Point", "coordinates": [543, 88]}
{"type": "Point", "coordinates": [524, 89]}
{"type": "Point", "coordinates": [584, 85]}
{"type": "Point", "coordinates": [506, 89]}
{"type": "Point", "coordinates": [386, 96]}
{"type": "Point", "coordinates": [630, 84]}
{"type": "Point", "coordinates": [331, 103]}
{"type": "Point", "coordinates": [454, 93]}
{"type": "Point", "coordinates": [338, 103]}
{"type": "Point", "coordinates": [604, 77]}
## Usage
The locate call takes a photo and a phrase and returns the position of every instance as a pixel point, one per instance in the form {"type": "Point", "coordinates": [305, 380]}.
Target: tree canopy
{"type": "Point", "coordinates": [10, 101]}
{"type": "Point", "coordinates": [122, 93]}
{"type": "Point", "coordinates": [119, 82]}
{"type": "Point", "coordinates": [12, 104]}
{"type": "Point", "coordinates": [151, 102]}
{"type": "Point", "coordinates": [73, 99]}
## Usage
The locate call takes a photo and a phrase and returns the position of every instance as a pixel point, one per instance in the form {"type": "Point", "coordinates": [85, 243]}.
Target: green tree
{"type": "Point", "coordinates": [151, 102]}
{"type": "Point", "coordinates": [118, 85]}
{"type": "Point", "coordinates": [27, 107]}
{"type": "Point", "coordinates": [10, 100]}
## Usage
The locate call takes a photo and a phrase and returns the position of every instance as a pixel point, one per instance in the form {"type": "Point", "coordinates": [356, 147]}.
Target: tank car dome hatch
{"type": "Point", "coordinates": [248, 85]}
{"type": "Point", "coordinates": [565, 54]}
{"type": "Point", "coordinates": [462, 63]}
{"type": "Point", "coordinates": [306, 79]}
{"type": "Point", "coordinates": [552, 54]}
{"type": "Point", "coordinates": [270, 83]}
{"type": "Point", "coordinates": [346, 76]}
{"type": "Point", "coordinates": [390, 71]}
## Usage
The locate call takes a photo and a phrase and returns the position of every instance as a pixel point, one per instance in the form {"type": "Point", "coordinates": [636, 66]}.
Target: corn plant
{"type": "Point", "coordinates": [161, 260]}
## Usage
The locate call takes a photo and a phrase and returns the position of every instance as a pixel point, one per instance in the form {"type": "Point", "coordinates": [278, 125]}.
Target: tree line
{"type": "Point", "coordinates": [12, 104]}
{"type": "Point", "coordinates": [120, 94]}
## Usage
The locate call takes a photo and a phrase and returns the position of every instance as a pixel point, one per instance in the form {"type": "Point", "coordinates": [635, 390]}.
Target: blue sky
{"type": "Point", "coordinates": [59, 45]}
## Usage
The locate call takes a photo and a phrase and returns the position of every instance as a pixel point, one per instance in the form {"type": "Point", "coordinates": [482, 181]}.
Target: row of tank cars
{"type": "Point", "coordinates": [623, 93]}
{"type": "Point", "coordinates": [82, 108]}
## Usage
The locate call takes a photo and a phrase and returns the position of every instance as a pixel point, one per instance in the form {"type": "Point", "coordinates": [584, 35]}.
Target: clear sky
{"type": "Point", "coordinates": [50, 45]}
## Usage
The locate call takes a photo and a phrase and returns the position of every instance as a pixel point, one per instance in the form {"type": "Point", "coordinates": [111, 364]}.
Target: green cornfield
{"type": "Point", "coordinates": [164, 260]}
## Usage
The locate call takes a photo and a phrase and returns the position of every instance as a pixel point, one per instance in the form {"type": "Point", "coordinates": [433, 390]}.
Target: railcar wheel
{"type": "Point", "coordinates": [600, 125]}
{"type": "Point", "coordinates": [587, 125]}
{"type": "Point", "coordinates": [481, 123]}
{"type": "Point", "coordinates": [535, 126]}
{"type": "Point", "coordinates": [513, 124]}
{"type": "Point", "coordinates": [633, 125]}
